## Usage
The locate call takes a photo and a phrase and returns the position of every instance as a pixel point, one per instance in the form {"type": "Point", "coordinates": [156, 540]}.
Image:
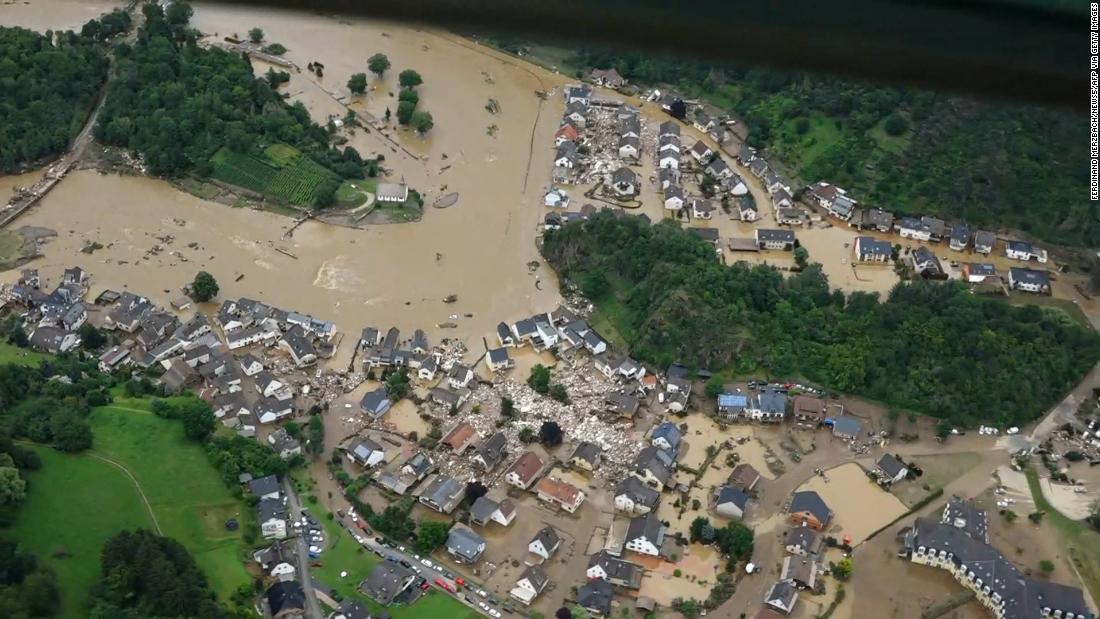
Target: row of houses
{"type": "Point", "coordinates": [246, 322]}
{"type": "Point", "coordinates": [776, 186]}
{"type": "Point", "coordinates": [52, 320]}
{"type": "Point", "coordinates": [839, 204]}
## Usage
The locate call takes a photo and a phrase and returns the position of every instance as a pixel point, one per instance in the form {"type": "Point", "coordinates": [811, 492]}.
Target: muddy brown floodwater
{"type": "Point", "coordinates": [394, 274]}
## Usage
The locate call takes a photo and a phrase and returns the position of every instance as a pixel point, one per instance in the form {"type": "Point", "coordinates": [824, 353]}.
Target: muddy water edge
{"type": "Point", "coordinates": [155, 238]}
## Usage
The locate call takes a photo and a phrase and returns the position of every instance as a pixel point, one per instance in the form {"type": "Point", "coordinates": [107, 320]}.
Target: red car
{"type": "Point", "coordinates": [460, 582]}
{"type": "Point", "coordinates": [444, 584]}
{"type": "Point", "coordinates": [424, 585]}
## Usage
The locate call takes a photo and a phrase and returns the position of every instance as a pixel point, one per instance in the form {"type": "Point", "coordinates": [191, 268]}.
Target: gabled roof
{"type": "Point", "coordinates": [731, 494]}
{"type": "Point", "coordinates": [589, 452]}
{"type": "Point", "coordinates": [669, 432]}
{"type": "Point", "coordinates": [535, 575]}
{"type": "Point", "coordinates": [483, 508]}
{"type": "Point", "coordinates": [638, 492]}
{"type": "Point", "coordinates": [526, 467]}
{"type": "Point", "coordinates": [744, 476]}
{"type": "Point", "coordinates": [264, 485]}
{"type": "Point", "coordinates": [890, 465]}
{"type": "Point", "coordinates": [596, 594]}
{"type": "Point", "coordinates": [624, 175]}
{"type": "Point", "coordinates": [812, 503]}
{"type": "Point", "coordinates": [285, 596]}
{"type": "Point", "coordinates": [648, 526]}
{"type": "Point", "coordinates": [492, 449]}
{"type": "Point", "coordinates": [805, 538]}
{"type": "Point", "coordinates": [548, 537]}
{"type": "Point", "coordinates": [464, 542]}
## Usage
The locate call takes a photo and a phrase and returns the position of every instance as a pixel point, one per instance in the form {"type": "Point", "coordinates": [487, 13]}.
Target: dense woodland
{"type": "Point", "coordinates": [178, 104]}
{"type": "Point", "coordinates": [146, 576]}
{"type": "Point", "coordinates": [928, 346]}
{"type": "Point", "coordinates": [47, 85]}
{"type": "Point", "coordinates": [914, 152]}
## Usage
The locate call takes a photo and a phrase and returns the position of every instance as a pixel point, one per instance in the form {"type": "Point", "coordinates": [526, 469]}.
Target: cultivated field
{"type": "Point", "coordinates": [74, 504]}
{"type": "Point", "coordinates": [282, 173]}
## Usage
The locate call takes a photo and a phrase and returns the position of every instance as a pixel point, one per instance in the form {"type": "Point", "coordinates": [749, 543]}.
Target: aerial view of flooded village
{"type": "Point", "coordinates": [310, 315]}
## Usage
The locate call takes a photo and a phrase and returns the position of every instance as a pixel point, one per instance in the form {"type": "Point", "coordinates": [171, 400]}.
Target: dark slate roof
{"type": "Point", "coordinates": [465, 543]}
{"type": "Point", "coordinates": [657, 462]}
{"type": "Point", "coordinates": [386, 581]}
{"type": "Point", "coordinates": [765, 234]}
{"type": "Point", "coordinates": [648, 526]}
{"type": "Point", "coordinates": [638, 492]}
{"type": "Point", "coordinates": [870, 246]}
{"type": "Point", "coordinates": [669, 432]}
{"type": "Point", "coordinates": [1030, 276]}
{"type": "Point", "coordinates": [731, 494]}
{"type": "Point", "coordinates": [264, 485]}
{"type": "Point", "coordinates": [492, 449]}
{"type": "Point", "coordinates": [504, 333]}
{"type": "Point", "coordinates": [589, 452]}
{"type": "Point", "coordinates": [498, 355]}
{"type": "Point", "coordinates": [270, 509]}
{"type": "Point", "coordinates": [284, 596]}
{"type": "Point", "coordinates": [616, 568]}
{"type": "Point", "coordinates": [596, 594]}
{"type": "Point", "coordinates": [483, 508]}
{"type": "Point", "coordinates": [890, 465]}
{"type": "Point", "coordinates": [548, 537]}
{"type": "Point", "coordinates": [847, 426]}
{"type": "Point", "coordinates": [810, 501]}
{"type": "Point", "coordinates": [624, 175]}
{"type": "Point", "coordinates": [782, 593]}
{"type": "Point", "coordinates": [772, 401]}
{"type": "Point", "coordinates": [535, 575]}
{"type": "Point", "coordinates": [805, 538]}
{"type": "Point", "coordinates": [985, 237]}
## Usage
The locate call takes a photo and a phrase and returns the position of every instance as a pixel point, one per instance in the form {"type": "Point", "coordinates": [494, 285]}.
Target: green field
{"type": "Point", "coordinates": [21, 356]}
{"type": "Point", "coordinates": [74, 503]}
{"type": "Point", "coordinates": [187, 495]}
{"type": "Point", "coordinates": [345, 555]}
{"type": "Point", "coordinates": [282, 173]}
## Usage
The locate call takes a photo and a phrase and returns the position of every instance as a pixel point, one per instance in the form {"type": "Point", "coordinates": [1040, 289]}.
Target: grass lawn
{"type": "Point", "coordinates": [21, 356]}
{"type": "Point", "coordinates": [889, 143]}
{"type": "Point", "coordinates": [187, 495]}
{"type": "Point", "coordinates": [1081, 542]}
{"type": "Point", "coordinates": [1064, 306]}
{"type": "Point", "coordinates": [352, 194]}
{"type": "Point", "coordinates": [939, 469]}
{"type": "Point", "coordinates": [344, 554]}
{"type": "Point", "coordinates": [74, 503]}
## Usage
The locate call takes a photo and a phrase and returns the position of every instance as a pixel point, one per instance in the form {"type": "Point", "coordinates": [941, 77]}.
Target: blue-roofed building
{"type": "Point", "coordinates": [375, 403]}
{"type": "Point", "coordinates": [732, 405]}
{"type": "Point", "coordinates": [847, 427]}
{"type": "Point", "coordinates": [666, 436]}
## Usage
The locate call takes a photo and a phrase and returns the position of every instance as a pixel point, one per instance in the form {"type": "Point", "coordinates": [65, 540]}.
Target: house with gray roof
{"type": "Point", "coordinates": [621, 573]}
{"type": "Point", "coordinates": [595, 597]}
{"type": "Point", "coordinates": [265, 487]}
{"type": "Point", "coordinates": [804, 541]}
{"type": "Point", "coordinates": [645, 535]}
{"type": "Point", "coordinates": [366, 452]}
{"type": "Point", "coordinates": [545, 543]}
{"type": "Point", "coordinates": [633, 496]}
{"type": "Point", "coordinates": [442, 493]}
{"type": "Point", "coordinates": [769, 405]}
{"type": "Point", "coordinates": [847, 427]}
{"type": "Point", "coordinates": [375, 403]}
{"type": "Point", "coordinates": [387, 582]}
{"type": "Point", "coordinates": [491, 451]}
{"type": "Point", "coordinates": [586, 456]}
{"type": "Point", "coordinates": [807, 508]}
{"type": "Point", "coordinates": [870, 249]}
{"type": "Point", "coordinates": [731, 502]}
{"type": "Point", "coordinates": [890, 469]}
{"type": "Point", "coordinates": [530, 584]}
{"type": "Point", "coordinates": [464, 544]}
{"type": "Point", "coordinates": [1029, 280]}
{"type": "Point", "coordinates": [782, 596]}
{"type": "Point", "coordinates": [654, 466]}
{"type": "Point", "coordinates": [299, 346]}
{"type": "Point", "coordinates": [666, 436]}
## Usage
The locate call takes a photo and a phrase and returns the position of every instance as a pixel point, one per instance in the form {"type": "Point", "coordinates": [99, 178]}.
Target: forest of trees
{"type": "Point", "coordinates": [930, 347]}
{"type": "Point", "coordinates": [47, 85]}
{"type": "Point", "coordinates": [915, 152]}
{"type": "Point", "coordinates": [146, 576]}
{"type": "Point", "coordinates": [177, 104]}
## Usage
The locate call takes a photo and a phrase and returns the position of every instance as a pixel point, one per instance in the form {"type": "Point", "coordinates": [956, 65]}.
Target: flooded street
{"type": "Point", "coordinates": [42, 15]}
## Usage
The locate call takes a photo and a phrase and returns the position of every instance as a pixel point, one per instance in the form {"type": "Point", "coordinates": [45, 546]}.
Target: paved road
{"type": "Point", "coordinates": [313, 608]}
{"type": "Point", "coordinates": [428, 573]}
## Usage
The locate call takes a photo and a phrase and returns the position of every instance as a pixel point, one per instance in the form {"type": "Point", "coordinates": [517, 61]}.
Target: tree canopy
{"type": "Point", "coordinates": [178, 104]}
{"type": "Point", "coordinates": [204, 287]}
{"type": "Point", "coordinates": [932, 347]}
{"type": "Point", "coordinates": [46, 91]}
{"type": "Point", "coordinates": [409, 79]}
{"type": "Point", "coordinates": [378, 64]}
{"type": "Point", "coordinates": [357, 83]}
{"type": "Point", "coordinates": [146, 575]}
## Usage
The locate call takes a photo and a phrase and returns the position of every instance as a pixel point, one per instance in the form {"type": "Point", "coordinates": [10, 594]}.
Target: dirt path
{"type": "Point", "coordinates": [141, 493]}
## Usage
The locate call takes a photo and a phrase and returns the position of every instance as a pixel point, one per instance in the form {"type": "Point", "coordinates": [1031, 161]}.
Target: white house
{"type": "Point", "coordinates": [271, 516]}
{"type": "Point", "coordinates": [731, 502]}
{"type": "Point", "coordinates": [1022, 250]}
{"type": "Point", "coordinates": [366, 452]}
{"type": "Point", "coordinates": [891, 470]}
{"type": "Point", "coordinates": [1029, 280]}
{"type": "Point", "coordinates": [545, 543]}
{"type": "Point", "coordinates": [629, 147]}
{"type": "Point", "coordinates": [530, 584]}
{"type": "Point", "coordinates": [674, 198]}
{"type": "Point", "coordinates": [645, 535]}
{"type": "Point", "coordinates": [700, 152]}
{"type": "Point", "coordinates": [702, 209]}
{"type": "Point", "coordinates": [459, 376]}
{"type": "Point", "coordinates": [251, 366]}
{"type": "Point", "coordinates": [669, 159]}
{"type": "Point", "coordinates": [498, 359]}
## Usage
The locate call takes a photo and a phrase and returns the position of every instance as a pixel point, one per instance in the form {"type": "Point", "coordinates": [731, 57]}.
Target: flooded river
{"type": "Point", "coordinates": [479, 249]}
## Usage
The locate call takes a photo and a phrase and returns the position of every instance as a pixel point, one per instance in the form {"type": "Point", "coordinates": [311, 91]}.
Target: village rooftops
{"type": "Point", "coordinates": [811, 502]}
{"type": "Point", "coordinates": [774, 235]}
{"type": "Point", "coordinates": [442, 493]}
{"type": "Point", "coordinates": [669, 127]}
{"type": "Point", "coordinates": [638, 492]}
